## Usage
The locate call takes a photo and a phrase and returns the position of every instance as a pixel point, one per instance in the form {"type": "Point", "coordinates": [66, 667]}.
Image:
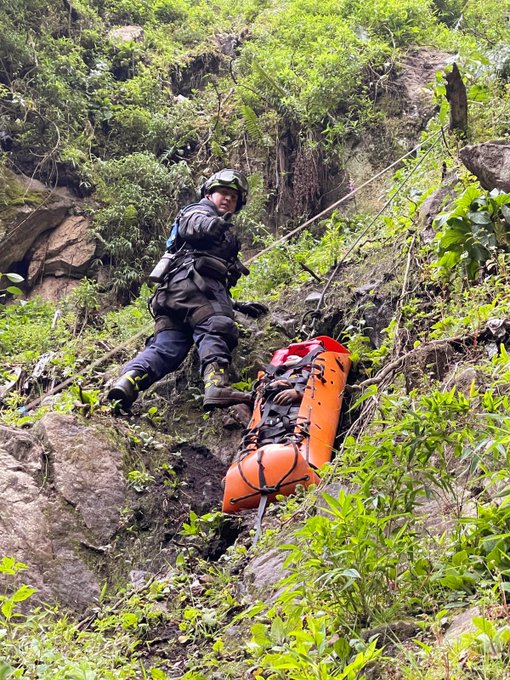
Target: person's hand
{"type": "Point", "coordinates": [287, 397]}
{"type": "Point", "coordinates": [279, 384]}
{"type": "Point", "coordinates": [253, 309]}
{"type": "Point", "coordinates": [217, 228]}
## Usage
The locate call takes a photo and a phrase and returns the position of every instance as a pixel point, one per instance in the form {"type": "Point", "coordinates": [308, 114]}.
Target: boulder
{"type": "Point", "coordinates": [67, 251]}
{"type": "Point", "coordinates": [87, 472]}
{"type": "Point", "coordinates": [418, 72]}
{"type": "Point", "coordinates": [61, 494]}
{"type": "Point", "coordinates": [431, 207]}
{"type": "Point", "coordinates": [263, 573]}
{"type": "Point", "coordinates": [27, 210]}
{"type": "Point", "coordinates": [24, 529]}
{"type": "Point", "coordinates": [53, 288]}
{"type": "Point", "coordinates": [462, 624]}
{"type": "Point", "coordinates": [490, 162]}
{"type": "Point", "coordinates": [127, 34]}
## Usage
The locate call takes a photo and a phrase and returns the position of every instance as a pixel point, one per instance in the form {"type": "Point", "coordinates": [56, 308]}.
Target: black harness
{"type": "Point", "coordinates": [279, 423]}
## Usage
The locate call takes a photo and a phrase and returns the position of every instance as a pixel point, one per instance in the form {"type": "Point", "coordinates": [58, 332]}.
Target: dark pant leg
{"type": "Point", "coordinates": [215, 338]}
{"type": "Point", "coordinates": [165, 353]}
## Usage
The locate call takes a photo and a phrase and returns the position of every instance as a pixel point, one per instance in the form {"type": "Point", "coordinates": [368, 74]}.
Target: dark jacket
{"type": "Point", "coordinates": [196, 223]}
{"type": "Point", "coordinates": [207, 264]}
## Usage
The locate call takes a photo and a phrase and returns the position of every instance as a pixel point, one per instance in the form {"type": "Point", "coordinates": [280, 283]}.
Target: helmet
{"type": "Point", "coordinates": [227, 178]}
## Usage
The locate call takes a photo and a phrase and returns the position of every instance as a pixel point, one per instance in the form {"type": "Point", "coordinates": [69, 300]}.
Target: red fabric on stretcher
{"type": "Point", "coordinates": [301, 349]}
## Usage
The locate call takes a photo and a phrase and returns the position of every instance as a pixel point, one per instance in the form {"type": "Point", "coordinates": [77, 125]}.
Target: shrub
{"type": "Point", "coordinates": [141, 196]}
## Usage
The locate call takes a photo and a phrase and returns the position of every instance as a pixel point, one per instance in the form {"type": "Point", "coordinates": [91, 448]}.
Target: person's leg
{"type": "Point", "coordinates": [163, 354]}
{"type": "Point", "coordinates": [216, 338]}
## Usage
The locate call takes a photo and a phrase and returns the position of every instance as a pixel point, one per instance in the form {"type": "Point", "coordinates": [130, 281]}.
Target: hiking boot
{"type": "Point", "coordinates": [237, 417]}
{"type": "Point", "coordinates": [218, 393]}
{"type": "Point", "coordinates": [124, 392]}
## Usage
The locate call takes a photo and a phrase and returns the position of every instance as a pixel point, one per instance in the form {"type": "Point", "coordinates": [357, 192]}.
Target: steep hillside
{"type": "Point", "coordinates": [397, 564]}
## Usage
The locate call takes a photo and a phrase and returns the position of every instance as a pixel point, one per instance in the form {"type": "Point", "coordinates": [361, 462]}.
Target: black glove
{"type": "Point", "coordinates": [254, 309]}
{"type": "Point", "coordinates": [217, 227]}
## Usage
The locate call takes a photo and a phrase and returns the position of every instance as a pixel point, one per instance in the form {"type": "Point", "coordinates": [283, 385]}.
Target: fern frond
{"type": "Point", "coordinates": [269, 79]}
{"type": "Point", "coordinates": [252, 125]}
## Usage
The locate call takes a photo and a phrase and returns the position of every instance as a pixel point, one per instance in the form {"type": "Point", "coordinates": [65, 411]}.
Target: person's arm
{"type": "Point", "coordinates": [289, 396]}
{"type": "Point", "coordinates": [198, 223]}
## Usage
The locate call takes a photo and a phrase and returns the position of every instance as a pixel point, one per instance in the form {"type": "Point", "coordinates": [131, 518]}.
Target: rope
{"type": "Point", "coordinates": [146, 330]}
{"type": "Point", "coordinates": [340, 201]}
{"type": "Point", "coordinates": [315, 314]}
{"type": "Point", "coordinates": [61, 386]}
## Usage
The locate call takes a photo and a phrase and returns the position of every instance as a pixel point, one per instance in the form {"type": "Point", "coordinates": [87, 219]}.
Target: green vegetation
{"type": "Point", "coordinates": [472, 231]}
{"type": "Point", "coordinates": [63, 649]}
{"type": "Point", "coordinates": [419, 529]}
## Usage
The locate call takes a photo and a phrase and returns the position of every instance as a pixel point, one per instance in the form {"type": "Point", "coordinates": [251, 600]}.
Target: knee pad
{"type": "Point", "coordinates": [220, 325]}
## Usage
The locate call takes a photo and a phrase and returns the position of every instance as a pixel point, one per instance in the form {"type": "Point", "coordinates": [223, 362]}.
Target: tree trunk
{"type": "Point", "coordinates": [456, 96]}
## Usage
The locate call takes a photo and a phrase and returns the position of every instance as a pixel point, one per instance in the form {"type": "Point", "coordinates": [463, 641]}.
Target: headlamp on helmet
{"type": "Point", "coordinates": [232, 179]}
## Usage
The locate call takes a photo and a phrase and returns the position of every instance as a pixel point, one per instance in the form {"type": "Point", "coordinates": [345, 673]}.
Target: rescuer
{"type": "Point", "coordinates": [192, 304]}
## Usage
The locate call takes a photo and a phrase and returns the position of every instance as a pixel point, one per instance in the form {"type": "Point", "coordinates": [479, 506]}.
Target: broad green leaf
{"type": "Point", "coordinates": [479, 94]}
{"type": "Point", "coordinates": [342, 648]}
{"type": "Point", "coordinates": [260, 636]}
{"type": "Point", "coordinates": [8, 565]}
{"type": "Point", "coordinates": [485, 626]}
{"type": "Point", "coordinates": [23, 593]}
{"type": "Point", "coordinates": [505, 211]}
{"type": "Point", "coordinates": [452, 581]}
{"type": "Point", "coordinates": [15, 278]}
{"type": "Point", "coordinates": [481, 217]}
{"type": "Point", "coordinates": [7, 608]}
{"type": "Point", "coordinates": [277, 630]}
{"type": "Point", "coordinates": [5, 670]}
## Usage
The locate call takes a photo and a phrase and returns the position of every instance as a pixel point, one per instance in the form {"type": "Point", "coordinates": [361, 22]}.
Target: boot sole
{"type": "Point", "coordinates": [120, 398]}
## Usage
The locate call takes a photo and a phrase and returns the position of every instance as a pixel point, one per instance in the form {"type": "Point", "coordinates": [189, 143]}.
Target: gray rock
{"type": "Point", "coordinates": [23, 448]}
{"type": "Point", "coordinates": [139, 578]}
{"type": "Point", "coordinates": [461, 624]}
{"type": "Point", "coordinates": [61, 492]}
{"type": "Point", "coordinates": [490, 162]}
{"type": "Point", "coordinates": [24, 529]}
{"type": "Point", "coordinates": [36, 210]}
{"type": "Point", "coordinates": [87, 471]}
{"type": "Point", "coordinates": [53, 288]}
{"type": "Point", "coordinates": [418, 73]}
{"type": "Point", "coordinates": [391, 633]}
{"type": "Point", "coordinates": [67, 251]}
{"type": "Point", "coordinates": [377, 315]}
{"type": "Point", "coordinates": [127, 34]}
{"type": "Point", "coordinates": [441, 511]}
{"type": "Point", "coordinates": [367, 288]}
{"type": "Point", "coordinates": [465, 379]}
{"type": "Point", "coordinates": [428, 362]}
{"type": "Point", "coordinates": [431, 207]}
{"type": "Point", "coordinates": [71, 581]}
{"type": "Point", "coordinates": [263, 573]}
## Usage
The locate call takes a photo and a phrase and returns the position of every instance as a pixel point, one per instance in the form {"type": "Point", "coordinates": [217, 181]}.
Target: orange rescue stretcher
{"type": "Point", "coordinates": [284, 445]}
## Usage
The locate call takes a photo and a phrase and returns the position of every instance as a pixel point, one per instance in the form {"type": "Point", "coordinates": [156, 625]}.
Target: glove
{"type": "Point", "coordinates": [253, 309]}
{"type": "Point", "coordinates": [217, 227]}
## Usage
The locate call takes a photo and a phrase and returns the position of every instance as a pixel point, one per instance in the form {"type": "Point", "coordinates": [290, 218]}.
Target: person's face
{"type": "Point", "coordinates": [225, 199]}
